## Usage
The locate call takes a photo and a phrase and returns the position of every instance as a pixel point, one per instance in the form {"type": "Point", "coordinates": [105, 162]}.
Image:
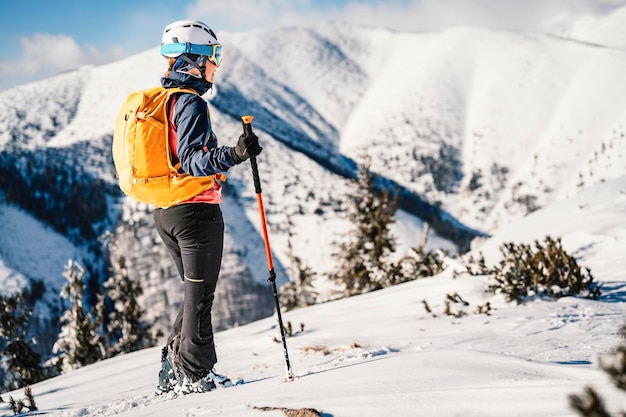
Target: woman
{"type": "Point", "coordinates": [193, 231]}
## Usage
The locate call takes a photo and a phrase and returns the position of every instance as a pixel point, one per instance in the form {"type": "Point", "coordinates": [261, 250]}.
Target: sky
{"type": "Point", "coordinates": [41, 38]}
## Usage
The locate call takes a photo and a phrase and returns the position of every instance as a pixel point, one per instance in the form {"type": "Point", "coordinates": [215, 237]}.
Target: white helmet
{"type": "Point", "coordinates": [181, 36]}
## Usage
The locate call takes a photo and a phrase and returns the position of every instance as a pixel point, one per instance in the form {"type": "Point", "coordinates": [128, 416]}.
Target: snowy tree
{"type": "Point", "coordinates": [299, 292]}
{"type": "Point", "coordinates": [100, 322]}
{"type": "Point", "coordinates": [20, 364]}
{"type": "Point", "coordinates": [79, 343]}
{"type": "Point", "coordinates": [365, 259]}
{"type": "Point", "coordinates": [126, 327]}
{"type": "Point", "coordinates": [418, 262]}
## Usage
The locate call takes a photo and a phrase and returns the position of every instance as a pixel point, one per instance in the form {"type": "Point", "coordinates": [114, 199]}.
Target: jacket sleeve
{"type": "Point", "coordinates": [198, 149]}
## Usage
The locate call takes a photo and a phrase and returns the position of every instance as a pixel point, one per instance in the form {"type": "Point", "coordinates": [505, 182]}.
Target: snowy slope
{"type": "Point", "coordinates": [26, 244]}
{"type": "Point", "coordinates": [601, 29]}
{"type": "Point", "coordinates": [382, 354]}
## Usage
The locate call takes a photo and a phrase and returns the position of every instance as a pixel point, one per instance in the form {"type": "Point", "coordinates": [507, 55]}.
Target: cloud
{"type": "Point", "coordinates": [44, 54]}
{"type": "Point", "coordinates": [527, 15]}
{"type": "Point", "coordinates": [42, 51]}
{"type": "Point", "coordinates": [405, 15]}
{"type": "Point", "coordinates": [245, 15]}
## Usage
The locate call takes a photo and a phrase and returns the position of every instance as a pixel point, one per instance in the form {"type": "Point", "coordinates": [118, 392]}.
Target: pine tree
{"type": "Point", "coordinates": [30, 399]}
{"type": "Point", "coordinates": [101, 322]}
{"type": "Point", "coordinates": [79, 342]}
{"type": "Point", "coordinates": [365, 262]}
{"type": "Point", "coordinates": [20, 363]}
{"type": "Point", "coordinates": [126, 326]}
{"type": "Point", "coordinates": [418, 262]}
{"type": "Point", "coordinates": [299, 292]}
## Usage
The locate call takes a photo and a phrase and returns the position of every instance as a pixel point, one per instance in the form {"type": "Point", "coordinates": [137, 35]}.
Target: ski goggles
{"type": "Point", "coordinates": [212, 52]}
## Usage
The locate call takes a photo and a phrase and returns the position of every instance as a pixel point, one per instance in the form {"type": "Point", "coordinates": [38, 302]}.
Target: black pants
{"type": "Point", "coordinates": [194, 236]}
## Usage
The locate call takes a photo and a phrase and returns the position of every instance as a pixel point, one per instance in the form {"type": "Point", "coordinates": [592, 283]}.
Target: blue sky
{"type": "Point", "coordinates": [44, 37]}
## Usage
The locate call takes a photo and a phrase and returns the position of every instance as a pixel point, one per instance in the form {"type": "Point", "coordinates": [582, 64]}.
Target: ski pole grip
{"type": "Point", "coordinates": [247, 124]}
{"type": "Point", "coordinates": [247, 130]}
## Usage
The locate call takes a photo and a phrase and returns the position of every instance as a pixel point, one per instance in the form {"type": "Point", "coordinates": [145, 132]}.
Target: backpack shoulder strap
{"type": "Point", "coordinates": [173, 94]}
{"type": "Point", "coordinates": [172, 138]}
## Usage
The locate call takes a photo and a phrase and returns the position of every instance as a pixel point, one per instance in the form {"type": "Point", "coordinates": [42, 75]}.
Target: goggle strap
{"type": "Point", "coordinates": [195, 64]}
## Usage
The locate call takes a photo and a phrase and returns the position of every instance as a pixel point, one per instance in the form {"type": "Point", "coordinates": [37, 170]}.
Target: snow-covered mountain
{"type": "Point", "coordinates": [478, 127]}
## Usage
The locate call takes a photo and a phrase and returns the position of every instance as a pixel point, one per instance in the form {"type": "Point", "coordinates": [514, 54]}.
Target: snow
{"type": "Point", "coordinates": [381, 353]}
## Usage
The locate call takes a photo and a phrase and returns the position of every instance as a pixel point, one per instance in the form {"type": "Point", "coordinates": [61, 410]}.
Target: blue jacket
{"type": "Point", "coordinates": [197, 149]}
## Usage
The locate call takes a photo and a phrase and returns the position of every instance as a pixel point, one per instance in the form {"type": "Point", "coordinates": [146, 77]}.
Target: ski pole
{"type": "Point", "coordinates": [247, 129]}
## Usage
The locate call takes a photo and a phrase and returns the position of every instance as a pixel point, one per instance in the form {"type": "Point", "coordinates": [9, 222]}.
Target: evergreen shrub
{"type": "Point", "coordinates": [539, 270]}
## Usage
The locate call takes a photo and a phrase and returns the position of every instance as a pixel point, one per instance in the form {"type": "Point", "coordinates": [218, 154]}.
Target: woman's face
{"type": "Point", "coordinates": [209, 74]}
{"type": "Point", "coordinates": [210, 71]}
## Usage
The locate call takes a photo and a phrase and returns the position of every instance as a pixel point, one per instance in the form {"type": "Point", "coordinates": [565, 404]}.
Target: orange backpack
{"type": "Point", "coordinates": [141, 151]}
